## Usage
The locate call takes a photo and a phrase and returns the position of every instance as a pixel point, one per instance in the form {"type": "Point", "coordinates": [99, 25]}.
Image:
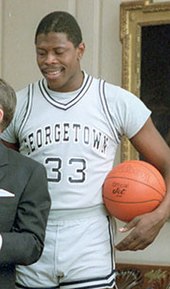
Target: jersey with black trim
{"type": "Point", "coordinates": [75, 135]}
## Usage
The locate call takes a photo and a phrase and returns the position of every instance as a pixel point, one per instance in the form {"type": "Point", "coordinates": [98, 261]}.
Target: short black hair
{"type": "Point", "coordinates": [60, 22]}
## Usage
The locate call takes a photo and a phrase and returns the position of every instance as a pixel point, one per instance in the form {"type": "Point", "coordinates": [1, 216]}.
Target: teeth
{"type": "Point", "coordinates": [53, 72]}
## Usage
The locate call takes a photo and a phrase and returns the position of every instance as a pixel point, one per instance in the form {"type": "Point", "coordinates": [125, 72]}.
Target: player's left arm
{"type": "Point", "coordinates": [23, 245]}
{"type": "Point", "coordinates": [144, 229]}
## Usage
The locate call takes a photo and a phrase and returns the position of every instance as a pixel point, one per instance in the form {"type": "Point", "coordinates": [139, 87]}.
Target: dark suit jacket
{"type": "Point", "coordinates": [23, 215]}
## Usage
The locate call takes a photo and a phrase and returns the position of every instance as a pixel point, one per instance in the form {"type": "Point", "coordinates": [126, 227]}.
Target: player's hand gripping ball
{"type": "Point", "coordinates": [133, 188]}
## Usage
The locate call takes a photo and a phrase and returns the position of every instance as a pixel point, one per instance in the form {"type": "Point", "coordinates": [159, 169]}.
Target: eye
{"type": "Point", "coordinates": [59, 51]}
{"type": "Point", "coordinates": [41, 52]}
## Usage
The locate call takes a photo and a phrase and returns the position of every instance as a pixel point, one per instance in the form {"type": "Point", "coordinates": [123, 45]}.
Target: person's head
{"type": "Point", "coordinates": [60, 22]}
{"type": "Point", "coordinates": [59, 48]}
{"type": "Point", "coordinates": [7, 104]}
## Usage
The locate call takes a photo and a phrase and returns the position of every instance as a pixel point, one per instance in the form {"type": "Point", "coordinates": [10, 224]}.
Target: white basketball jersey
{"type": "Point", "coordinates": [75, 135]}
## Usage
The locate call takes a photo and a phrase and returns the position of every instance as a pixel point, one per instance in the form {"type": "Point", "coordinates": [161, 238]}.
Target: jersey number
{"type": "Point", "coordinates": [55, 170]}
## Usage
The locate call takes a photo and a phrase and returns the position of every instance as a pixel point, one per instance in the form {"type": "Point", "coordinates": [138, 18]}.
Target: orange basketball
{"type": "Point", "coordinates": [133, 188]}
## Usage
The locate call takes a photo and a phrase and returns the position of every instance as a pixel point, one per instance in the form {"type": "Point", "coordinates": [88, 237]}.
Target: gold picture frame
{"type": "Point", "coordinates": [136, 16]}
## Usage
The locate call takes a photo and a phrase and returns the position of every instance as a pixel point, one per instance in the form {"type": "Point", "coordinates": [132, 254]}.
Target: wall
{"type": "Point", "coordinates": [99, 20]}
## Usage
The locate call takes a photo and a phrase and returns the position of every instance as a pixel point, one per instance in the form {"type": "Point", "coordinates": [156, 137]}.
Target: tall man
{"type": "Point", "coordinates": [73, 123]}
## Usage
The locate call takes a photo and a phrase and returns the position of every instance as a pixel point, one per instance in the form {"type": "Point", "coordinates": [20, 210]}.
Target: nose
{"type": "Point", "coordinates": [51, 58]}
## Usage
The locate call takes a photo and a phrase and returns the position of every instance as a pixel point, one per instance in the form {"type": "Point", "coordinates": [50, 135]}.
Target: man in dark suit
{"type": "Point", "coordinates": [24, 201]}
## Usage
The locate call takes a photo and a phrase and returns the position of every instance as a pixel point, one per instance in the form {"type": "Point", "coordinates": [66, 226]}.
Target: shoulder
{"type": "Point", "coordinates": [117, 90]}
{"type": "Point", "coordinates": [22, 102]}
{"type": "Point", "coordinates": [118, 97]}
{"type": "Point", "coordinates": [122, 97]}
{"type": "Point", "coordinates": [24, 97]}
{"type": "Point", "coordinates": [24, 93]}
{"type": "Point", "coordinates": [111, 90]}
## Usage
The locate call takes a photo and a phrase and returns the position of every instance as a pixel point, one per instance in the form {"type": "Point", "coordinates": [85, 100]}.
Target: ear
{"type": "Point", "coordinates": [1, 116]}
{"type": "Point", "coordinates": [81, 49]}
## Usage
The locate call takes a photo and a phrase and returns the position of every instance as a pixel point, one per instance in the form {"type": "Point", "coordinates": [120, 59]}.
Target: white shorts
{"type": "Point", "coordinates": [78, 253]}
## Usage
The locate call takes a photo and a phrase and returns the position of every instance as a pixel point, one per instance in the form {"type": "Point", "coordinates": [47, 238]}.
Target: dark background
{"type": "Point", "coordinates": [155, 75]}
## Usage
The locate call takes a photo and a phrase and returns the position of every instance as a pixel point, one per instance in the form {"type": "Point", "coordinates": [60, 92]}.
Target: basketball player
{"type": "Point", "coordinates": [24, 201]}
{"type": "Point", "coordinates": [73, 123]}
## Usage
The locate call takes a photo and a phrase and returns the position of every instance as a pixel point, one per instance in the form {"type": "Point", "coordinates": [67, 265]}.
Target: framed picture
{"type": "Point", "coordinates": [145, 37]}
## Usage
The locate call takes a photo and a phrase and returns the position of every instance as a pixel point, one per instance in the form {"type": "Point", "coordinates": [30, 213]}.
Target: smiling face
{"type": "Point", "coordinates": [59, 61]}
